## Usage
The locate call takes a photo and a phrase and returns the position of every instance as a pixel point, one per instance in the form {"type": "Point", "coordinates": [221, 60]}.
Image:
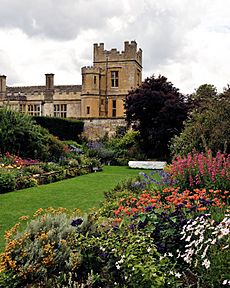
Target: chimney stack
{"type": "Point", "coordinates": [2, 84]}
{"type": "Point", "coordinates": [49, 81]}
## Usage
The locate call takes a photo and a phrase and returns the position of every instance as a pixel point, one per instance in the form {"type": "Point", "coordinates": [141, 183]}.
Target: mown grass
{"type": "Point", "coordinates": [82, 192]}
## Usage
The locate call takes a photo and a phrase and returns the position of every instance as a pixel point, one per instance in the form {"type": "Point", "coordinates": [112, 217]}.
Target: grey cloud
{"type": "Point", "coordinates": [159, 32]}
{"type": "Point", "coordinates": [6, 68]}
{"type": "Point", "coordinates": [58, 19]}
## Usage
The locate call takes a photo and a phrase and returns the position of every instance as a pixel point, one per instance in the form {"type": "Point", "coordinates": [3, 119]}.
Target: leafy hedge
{"type": "Point", "coordinates": [64, 129]}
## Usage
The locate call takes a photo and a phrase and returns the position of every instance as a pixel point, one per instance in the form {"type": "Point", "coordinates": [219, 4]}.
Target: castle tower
{"type": "Point", "coordinates": [2, 87]}
{"type": "Point", "coordinates": [108, 81]}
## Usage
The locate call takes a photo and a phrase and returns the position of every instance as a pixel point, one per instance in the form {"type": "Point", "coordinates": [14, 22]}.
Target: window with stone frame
{"type": "Point", "coordinates": [22, 108]}
{"type": "Point", "coordinates": [88, 110]}
{"type": "Point", "coordinates": [34, 109]}
{"type": "Point", "coordinates": [114, 79]}
{"type": "Point", "coordinates": [60, 110]}
{"type": "Point", "coordinates": [114, 108]}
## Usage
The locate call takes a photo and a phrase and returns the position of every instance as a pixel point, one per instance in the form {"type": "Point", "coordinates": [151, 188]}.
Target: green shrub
{"type": "Point", "coordinates": [33, 169]}
{"type": "Point", "coordinates": [21, 136]}
{"type": "Point", "coordinates": [23, 182]}
{"type": "Point", "coordinates": [41, 250]}
{"type": "Point", "coordinates": [64, 129]}
{"type": "Point", "coordinates": [7, 181]}
{"type": "Point", "coordinates": [121, 258]}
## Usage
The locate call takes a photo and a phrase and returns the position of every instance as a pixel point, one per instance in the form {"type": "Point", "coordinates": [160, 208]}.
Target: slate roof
{"type": "Point", "coordinates": [42, 89]}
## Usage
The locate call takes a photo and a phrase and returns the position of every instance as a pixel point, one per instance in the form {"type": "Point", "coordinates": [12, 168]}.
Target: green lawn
{"type": "Point", "coordinates": [82, 192]}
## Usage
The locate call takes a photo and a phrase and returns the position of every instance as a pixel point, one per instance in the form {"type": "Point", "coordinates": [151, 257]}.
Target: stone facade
{"type": "Point", "coordinates": [101, 95]}
{"type": "Point", "coordinates": [96, 128]}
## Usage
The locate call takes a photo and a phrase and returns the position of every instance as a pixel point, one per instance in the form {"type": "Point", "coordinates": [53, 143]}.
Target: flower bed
{"type": "Point", "coordinates": [145, 234]}
{"type": "Point", "coordinates": [17, 173]}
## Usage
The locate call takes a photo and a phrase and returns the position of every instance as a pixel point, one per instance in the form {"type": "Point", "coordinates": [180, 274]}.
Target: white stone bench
{"type": "Point", "coordinates": [155, 165]}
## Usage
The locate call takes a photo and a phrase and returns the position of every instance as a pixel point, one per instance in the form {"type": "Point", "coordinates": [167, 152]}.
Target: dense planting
{"type": "Point", "coordinates": [17, 173]}
{"type": "Point", "coordinates": [147, 233]}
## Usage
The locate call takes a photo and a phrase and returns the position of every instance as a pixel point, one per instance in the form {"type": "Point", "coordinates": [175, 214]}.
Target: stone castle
{"type": "Point", "coordinates": [104, 87]}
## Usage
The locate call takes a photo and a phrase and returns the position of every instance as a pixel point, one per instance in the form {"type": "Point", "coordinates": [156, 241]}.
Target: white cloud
{"type": "Point", "coordinates": [186, 41]}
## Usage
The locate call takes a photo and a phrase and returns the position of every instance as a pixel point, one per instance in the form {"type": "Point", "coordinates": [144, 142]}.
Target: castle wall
{"type": "Point", "coordinates": [95, 129]}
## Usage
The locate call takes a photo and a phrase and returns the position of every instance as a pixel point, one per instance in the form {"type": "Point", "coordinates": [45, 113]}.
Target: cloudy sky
{"type": "Point", "coordinates": [188, 41]}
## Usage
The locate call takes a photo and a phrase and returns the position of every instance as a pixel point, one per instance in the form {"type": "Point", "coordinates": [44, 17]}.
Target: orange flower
{"type": "Point", "coordinates": [118, 220]}
{"type": "Point", "coordinates": [153, 200]}
{"type": "Point", "coordinates": [202, 208]}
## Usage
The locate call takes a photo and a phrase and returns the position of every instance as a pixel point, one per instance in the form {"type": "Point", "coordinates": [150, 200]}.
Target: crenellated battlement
{"type": "Point", "coordinates": [130, 53]}
{"type": "Point", "coordinates": [90, 70]}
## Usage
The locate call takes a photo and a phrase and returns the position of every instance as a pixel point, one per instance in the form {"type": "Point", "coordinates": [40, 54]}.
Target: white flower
{"type": "Point", "coordinates": [206, 263]}
{"type": "Point", "coordinates": [170, 254]}
{"type": "Point", "coordinates": [149, 249]}
{"type": "Point", "coordinates": [118, 266]}
{"type": "Point", "coordinates": [205, 252]}
{"type": "Point", "coordinates": [213, 241]}
{"type": "Point", "coordinates": [178, 275]}
{"type": "Point", "coordinates": [188, 238]}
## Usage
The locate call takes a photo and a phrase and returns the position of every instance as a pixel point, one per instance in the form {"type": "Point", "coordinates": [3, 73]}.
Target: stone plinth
{"type": "Point", "coordinates": [155, 165]}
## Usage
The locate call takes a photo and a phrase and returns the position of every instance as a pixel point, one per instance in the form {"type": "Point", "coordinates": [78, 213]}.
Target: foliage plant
{"type": "Point", "coordinates": [7, 181]}
{"type": "Point", "coordinates": [41, 249]}
{"type": "Point", "coordinates": [122, 258]}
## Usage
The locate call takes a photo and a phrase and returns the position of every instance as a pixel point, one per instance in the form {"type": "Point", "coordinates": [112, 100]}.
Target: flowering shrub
{"type": "Point", "coordinates": [200, 170]}
{"type": "Point", "coordinates": [207, 249]}
{"type": "Point", "coordinates": [13, 161]}
{"type": "Point", "coordinates": [40, 250]}
{"type": "Point", "coordinates": [122, 258]}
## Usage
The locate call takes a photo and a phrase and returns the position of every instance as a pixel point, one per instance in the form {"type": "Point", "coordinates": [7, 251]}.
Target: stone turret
{"type": "Point", "coordinates": [91, 79]}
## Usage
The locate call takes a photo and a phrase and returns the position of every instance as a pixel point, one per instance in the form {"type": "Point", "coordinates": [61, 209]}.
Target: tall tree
{"type": "Point", "coordinates": [208, 127]}
{"type": "Point", "coordinates": [157, 110]}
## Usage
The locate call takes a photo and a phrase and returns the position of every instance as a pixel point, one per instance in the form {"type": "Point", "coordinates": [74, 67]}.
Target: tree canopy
{"type": "Point", "coordinates": [157, 110]}
{"type": "Point", "coordinates": [208, 126]}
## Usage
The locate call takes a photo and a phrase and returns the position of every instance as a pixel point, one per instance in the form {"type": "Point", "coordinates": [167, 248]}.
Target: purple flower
{"type": "Point", "coordinates": [76, 222]}
{"type": "Point", "coordinates": [149, 208]}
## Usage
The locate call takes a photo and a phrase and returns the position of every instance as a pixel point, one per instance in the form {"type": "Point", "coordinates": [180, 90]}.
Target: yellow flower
{"type": "Point", "coordinates": [24, 218]}
{"type": "Point", "coordinates": [38, 212]}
